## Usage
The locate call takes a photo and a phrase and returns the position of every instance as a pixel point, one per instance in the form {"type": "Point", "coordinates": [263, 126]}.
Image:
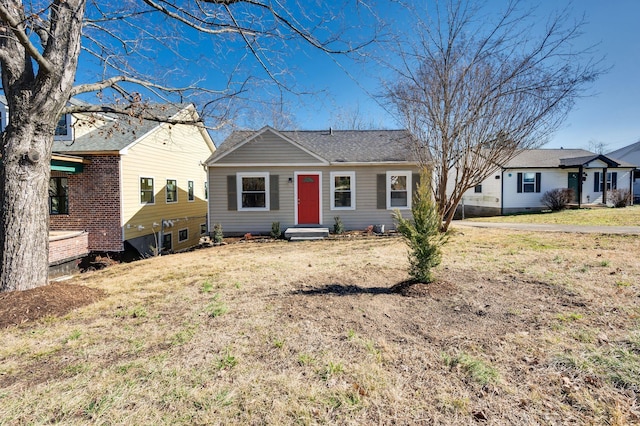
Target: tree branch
{"type": "Point", "coordinates": [23, 39]}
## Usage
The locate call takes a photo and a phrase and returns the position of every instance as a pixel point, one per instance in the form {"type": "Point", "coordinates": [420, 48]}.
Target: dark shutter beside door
{"type": "Point", "coordinates": [274, 192]}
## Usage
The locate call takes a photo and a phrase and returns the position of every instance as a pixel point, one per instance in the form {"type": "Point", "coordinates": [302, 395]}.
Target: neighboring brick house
{"type": "Point", "coordinates": [125, 185]}
{"type": "Point", "coordinates": [141, 187]}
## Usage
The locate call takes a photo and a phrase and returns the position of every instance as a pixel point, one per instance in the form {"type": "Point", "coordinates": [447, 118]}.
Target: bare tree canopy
{"type": "Point", "coordinates": [475, 90]}
{"type": "Point", "coordinates": [127, 52]}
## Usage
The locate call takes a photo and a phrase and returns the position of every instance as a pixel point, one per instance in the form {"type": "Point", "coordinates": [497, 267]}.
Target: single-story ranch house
{"type": "Point", "coordinates": [308, 178]}
{"type": "Point", "coordinates": [519, 185]}
{"type": "Point", "coordinates": [630, 154]}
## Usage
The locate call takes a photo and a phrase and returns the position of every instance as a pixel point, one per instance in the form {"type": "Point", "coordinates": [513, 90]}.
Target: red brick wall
{"type": "Point", "coordinates": [67, 247]}
{"type": "Point", "coordinates": [94, 204]}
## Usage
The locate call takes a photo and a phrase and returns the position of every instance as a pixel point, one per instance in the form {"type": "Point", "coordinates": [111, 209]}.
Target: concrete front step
{"type": "Point", "coordinates": [304, 234]}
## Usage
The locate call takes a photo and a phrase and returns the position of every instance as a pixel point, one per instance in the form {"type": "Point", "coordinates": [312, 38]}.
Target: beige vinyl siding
{"type": "Point", "coordinates": [259, 222]}
{"type": "Point", "coordinates": [170, 152]}
{"type": "Point", "coordinates": [268, 148]}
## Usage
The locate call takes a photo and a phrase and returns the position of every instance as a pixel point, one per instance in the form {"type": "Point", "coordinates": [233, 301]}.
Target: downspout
{"type": "Point", "coordinates": [580, 182]}
{"type": "Point", "coordinates": [502, 193]}
{"type": "Point", "coordinates": [604, 186]}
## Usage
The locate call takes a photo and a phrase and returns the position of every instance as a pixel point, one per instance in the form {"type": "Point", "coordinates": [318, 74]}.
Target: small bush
{"type": "Point", "coordinates": [218, 235]}
{"type": "Point", "coordinates": [275, 230]}
{"type": "Point", "coordinates": [557, 199]}
{"type": "Point", "coordinates": [338, 227]}
{"type": "Point", "coordinates": [422, 233]}
{"type": "Point", "coordinates": [619, 197]}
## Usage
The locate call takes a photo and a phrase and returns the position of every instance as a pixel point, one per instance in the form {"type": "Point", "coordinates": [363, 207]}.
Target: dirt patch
{"type": "Point", "coordinates": [56, 299]}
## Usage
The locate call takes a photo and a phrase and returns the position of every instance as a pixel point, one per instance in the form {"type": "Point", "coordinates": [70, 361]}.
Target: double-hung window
{"type": "Point", "coordinates": [343, 190]}
{"type": "Point", "coordinates": [172, 191]}
{"type": "Point", "coordinates": [253, 191]}
{"type": "Point", "coordinates": [190, 190]}
{"type": "Point", "coordinates": [146, 190]}
{"type": "Point", "coordinates": [612, 181]}
{"type": "Point", "coordinates": [64, 131]}
{"type": "Point", "coordinates": [58, 195]}
{"type": "Point", "coordinates": [529, 181]}
{"type": "Point", "coordinates": [399, 190]}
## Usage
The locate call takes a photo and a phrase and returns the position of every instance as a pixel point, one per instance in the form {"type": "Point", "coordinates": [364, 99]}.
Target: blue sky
{"type": "Point", "coordinates": [610, 114]}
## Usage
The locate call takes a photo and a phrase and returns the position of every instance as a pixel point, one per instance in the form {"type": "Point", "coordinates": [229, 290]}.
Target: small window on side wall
{"type": "Point", "coordinates": [146, 191]}
{"type": "Point", "coordinates": [183, 235]}
{"type": "Point", "coordinates": [190, 190]}
{"type": "Point", "coordinates": [172, 191]}
{"type": "Point", "coordinates": [63, 128]}
{"type": "Point", "coordinates": [58, 195]}
{"type": "Point", "coordinates": [478, 189]}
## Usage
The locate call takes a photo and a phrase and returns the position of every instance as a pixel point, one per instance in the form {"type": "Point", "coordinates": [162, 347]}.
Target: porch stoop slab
{"type": "Point", "coordinates": [305, 234]}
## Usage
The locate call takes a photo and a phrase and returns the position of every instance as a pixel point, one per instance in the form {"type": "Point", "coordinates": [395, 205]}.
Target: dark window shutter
{"type": "Point", "coordinates": [538, 179]}
{"type": "Point", "coordinates": [382, 191]}
{"type": "Point", "coordinates": [614, 180]}
{"type": "Point", "coordinates": [415, 182]}
{"type": "Point", "coordinates": [232, 196]}
{"type": "Point", "coordinates": [596, 182]}
{"type": "Point", "coordinates": [274, 192]}
{"type": "Point", "coordinates": [519, 182]}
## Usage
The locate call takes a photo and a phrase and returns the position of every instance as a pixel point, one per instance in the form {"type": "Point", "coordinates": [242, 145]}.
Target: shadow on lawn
{"type": "Point", "coordinates": [349, 290]}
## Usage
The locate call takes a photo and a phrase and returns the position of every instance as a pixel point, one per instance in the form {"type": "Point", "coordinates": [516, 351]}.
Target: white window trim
{"type": "Point", "coordinates": [352, 176]}
{"type": "Point", "coordinates": [69, 135]}
{"type": "Point", "coordinates": [193, 188]}
{"type": "Point", "coordinates": [407, 174]}
{"type": "Point", "coordinates": [524, 174]}
{"type": "Point", "coordinates": [162, 241]}
{"type": "Point", "coordinates": [239, 177]}
{"type": "Point", "coordinates": [166, 185]}
{"type": "Point", "coordinates": [153, 189]}
{"type": "Point", "coordinates": [186, 239]}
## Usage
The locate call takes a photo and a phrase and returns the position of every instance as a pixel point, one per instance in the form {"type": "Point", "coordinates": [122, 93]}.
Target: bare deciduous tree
{"type": "Point", "coordinates": [129, 51]}
{"type": "Point", "coordinates": [475, 92]}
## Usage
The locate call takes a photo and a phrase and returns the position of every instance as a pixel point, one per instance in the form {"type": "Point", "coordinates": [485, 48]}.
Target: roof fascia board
{"type": "Point", "coordinates": [125, 150]}
{"type": "Point", "coordinates": [269, 164]}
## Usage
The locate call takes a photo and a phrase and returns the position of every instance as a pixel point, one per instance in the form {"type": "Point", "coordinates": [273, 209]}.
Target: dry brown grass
{"type": "Point", "coordinates": [522, 328]}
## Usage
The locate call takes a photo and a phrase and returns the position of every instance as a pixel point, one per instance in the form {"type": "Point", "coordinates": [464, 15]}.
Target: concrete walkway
{"type": "Point", "coordinates": [539, 227]}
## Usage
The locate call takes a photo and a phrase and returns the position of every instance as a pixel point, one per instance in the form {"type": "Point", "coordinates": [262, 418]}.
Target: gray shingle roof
{"type": "Point", "coordinates": [541, 158]}
{"type": "Point", "coordinates": [339, 146]}
{"type": "Point", "coordinates": [117, 134]}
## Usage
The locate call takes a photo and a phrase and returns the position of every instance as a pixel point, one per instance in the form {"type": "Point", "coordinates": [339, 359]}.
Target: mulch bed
{"type": "Point", "coordinates": [55, 300]}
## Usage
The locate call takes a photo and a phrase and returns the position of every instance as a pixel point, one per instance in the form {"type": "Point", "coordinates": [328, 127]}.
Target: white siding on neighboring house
{"type": "Point", "coordinates": [485, 202]}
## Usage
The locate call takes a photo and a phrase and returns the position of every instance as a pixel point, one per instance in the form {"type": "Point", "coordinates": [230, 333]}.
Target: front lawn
{"type": "Point", "coordinates": [520, 328]}
{"type": "Point", "coordinates": [628, 216]}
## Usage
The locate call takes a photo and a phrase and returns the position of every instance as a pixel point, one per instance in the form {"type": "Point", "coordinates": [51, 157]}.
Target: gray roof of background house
{"type": "Point", "coordinates": [545, 158]}
{"type": "Point", "coordinates": [338, 146]}
{"type": "Point", "coordinates": [629, 153]}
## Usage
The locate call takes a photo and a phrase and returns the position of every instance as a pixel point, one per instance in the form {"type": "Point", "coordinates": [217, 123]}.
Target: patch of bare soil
{"type": "Point", "coordinates": [53, 300]}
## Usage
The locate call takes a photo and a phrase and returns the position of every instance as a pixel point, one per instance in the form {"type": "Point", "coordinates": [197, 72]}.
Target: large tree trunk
{"type": "Point", "coordinates": [24, 240]}
{"type": "Point", "coordinates": [35, 96]}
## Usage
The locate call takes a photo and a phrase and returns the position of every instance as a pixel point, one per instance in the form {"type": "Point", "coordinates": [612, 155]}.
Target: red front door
{"type": "Point", "coordinates": [308, 199]}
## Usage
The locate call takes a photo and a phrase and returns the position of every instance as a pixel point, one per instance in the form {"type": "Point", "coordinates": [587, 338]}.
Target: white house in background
{"type": "Point", "coordinates": [631, 154]}
{"type": "Point", "coordinates": [518, 185]}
